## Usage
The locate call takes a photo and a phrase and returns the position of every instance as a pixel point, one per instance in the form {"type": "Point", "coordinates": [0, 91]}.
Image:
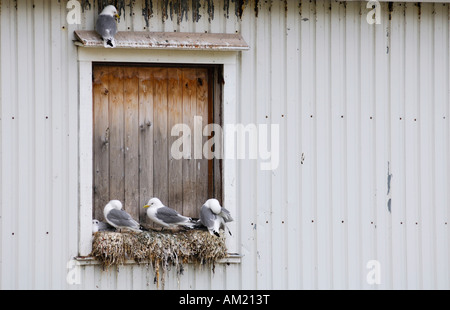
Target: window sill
{"type": "Point", "coordinates": [232, 258]}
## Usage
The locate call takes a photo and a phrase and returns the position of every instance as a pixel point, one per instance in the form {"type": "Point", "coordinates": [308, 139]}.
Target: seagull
{"type": "Point", "coordinates": [166, 216]}
{"type": "Point", "coordinates": [213, 216]}
{"type": "Point", "coordinates": [101, 226]}
{"type": "Point", "coordinates": [118, 218]}
{"type": "Point", "coordinates": [106, 25]}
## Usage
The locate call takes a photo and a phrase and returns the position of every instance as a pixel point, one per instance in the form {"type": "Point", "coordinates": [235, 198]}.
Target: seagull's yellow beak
{"type": "Point", "coordinates": [146, 206]}
{"type": "Point", "coordinates": [117, 17]}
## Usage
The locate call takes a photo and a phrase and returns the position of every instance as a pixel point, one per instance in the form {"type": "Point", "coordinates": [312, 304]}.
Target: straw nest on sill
{"type": "Point", "coordinates": [161, 249]}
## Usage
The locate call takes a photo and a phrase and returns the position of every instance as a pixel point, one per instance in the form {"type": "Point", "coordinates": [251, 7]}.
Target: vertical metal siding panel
{"type": "Point", "coordinates": [411, 115]}
{"type": "Point", "coordinates": [87, 278]}
{"type": "Point", "coordinates": [169, 23]}
{"type": "Point", "coordinates": [397, 148]}
{"type": "Point", "coordinates": [24, 153]}
{"type": "Point", "coordinates": [441, 143]}
{"type": "Point", "coordinates": [367, 159]}
{"type": "Point", "coordinates": [308, 159]}
{"type": "Point", "coordinates": [264, 219]}
{"type": "Point", "coordinates": [127, 19]}
{"type": "Point", "coordinates": [247, 191]}
{"type": "Point", "coordinates": [323, 143]}
{"type": "Point", "coordinates": [89, 17]}
{"type": "Point", "coordinates": [292, 71]}
{"type": "Point", "coordinates": [13, 175]}
{"type": "Point", "coordinates": [186, 23]}
{"type": "Point", "coordinates": [121, 277]}
{"type": "Point", "coordinates": [232, 23]}
{"type": "Point", "coordinates": [353, 140]}
{"type": "Point", "coordinates": [39, 144]}
{"type": "Point", "coordinates": [233, 276]}
{"type": "Point", "coordinates": [205, 22]}
{"type": "Point", "coordinates": [8, 74]}
{"type": "Point", "coordinates": [278, 117]}
{"type": "Point", "coordinates": [338, 144]}
{"type": "Point", "coordinates": [202, 278]}
{"type": "Point", "coordinates": [59, 201]}
{"type": "Point", "coordinates": [218, 278]}
{"type": "Point", "coordinates": [190, 275]}
{"type": "Point", "coordinates": [216, 23]}
{"type": "Point", "coordinates": [71, 137]}
{"type": "Point", "coordinates": [137, 22]}
{"type": "Point", "coordinates": [382, 129]}
{"type": "Point", "coordinates": [427, 203]}
{"type": "Point", "coordinates": [154, 20]}
{"type": "Point", "coordinates": [70, 166]}
{"type": "Point", "coordinates": [47, 144]}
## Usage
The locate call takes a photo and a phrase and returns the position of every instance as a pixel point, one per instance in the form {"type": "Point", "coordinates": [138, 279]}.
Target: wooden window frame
{"type": "Point", "coordinates": [86, 58]}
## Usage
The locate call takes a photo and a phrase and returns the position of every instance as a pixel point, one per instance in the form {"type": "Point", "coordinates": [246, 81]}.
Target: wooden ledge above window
{"type": "Point", "coordinates": [166, 40]}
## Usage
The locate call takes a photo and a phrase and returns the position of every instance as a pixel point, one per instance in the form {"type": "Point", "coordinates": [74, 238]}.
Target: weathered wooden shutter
{"type": "Point", "coordinates": [135, 109]}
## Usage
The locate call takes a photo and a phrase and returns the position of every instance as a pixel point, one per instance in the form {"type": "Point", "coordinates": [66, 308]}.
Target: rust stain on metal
{"type": "Point", "coordinates": [147, 11]}
{"type": "Point", "coordinates": [210, 9]}
{"type": "Point", "coordinates": [419, 6]}
{"type": "Point", "coordinates": [257, 8]}
{"type": "Point", "coordinates": [180, 9]}
{"type": "Point", "coordinates": [391, 8]}
{"type": "Point", "coordinates": [119, 4]}
{"type": "Point", "coordinates": [175, 9]}
{"type": "Point", "coordinates": [183, 10]}
{"type": "Point", "coordinates": [130, 5]}
{"type": "Point", "coordinates": [85, 5]}
{"type": "Point", "coordinates": [239, 7]}
{"type": "Point", "coordinates": [196, 10]}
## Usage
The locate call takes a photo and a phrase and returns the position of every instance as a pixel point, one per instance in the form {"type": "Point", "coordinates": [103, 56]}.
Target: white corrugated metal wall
{"type": "Point", "coordinates": [364, 169]}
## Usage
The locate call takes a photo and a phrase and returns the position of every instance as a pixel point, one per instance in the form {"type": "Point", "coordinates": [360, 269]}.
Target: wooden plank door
{"type": "Point", "coordinates": [135, 109]}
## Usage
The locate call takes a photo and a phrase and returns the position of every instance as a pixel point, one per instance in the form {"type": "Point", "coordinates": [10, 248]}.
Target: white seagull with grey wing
{"type": "Point", "coordinates": [214, 217]}
{"type": "Point", "coordinates": [106, 25]}
{"type": "Point", "coordinates": [166, 216]}
{"type": "Point", "coordinates": [101, 226]}
{"type": "Point", "coordinates": [119, 218]}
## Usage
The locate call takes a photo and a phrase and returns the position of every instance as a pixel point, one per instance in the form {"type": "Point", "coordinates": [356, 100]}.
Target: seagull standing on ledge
{"type": "Point", "coordinates": [213, 216]}
{"type": "Point", "coordinates": [166, 216]}
{"type": "Point", "coordinates": [106, 25]}
{"type": "Point", "coordinates": [118, 218]}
